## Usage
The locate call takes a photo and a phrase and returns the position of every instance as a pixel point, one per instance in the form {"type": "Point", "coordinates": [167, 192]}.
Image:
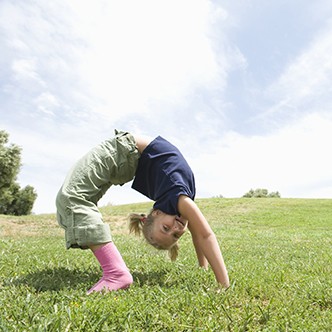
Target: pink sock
{"type": "Point", "coordinates": [115, 272]}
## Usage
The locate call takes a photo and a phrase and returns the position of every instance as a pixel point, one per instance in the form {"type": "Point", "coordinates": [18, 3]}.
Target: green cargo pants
{"type": "Point", "coordinates": [113, 162]}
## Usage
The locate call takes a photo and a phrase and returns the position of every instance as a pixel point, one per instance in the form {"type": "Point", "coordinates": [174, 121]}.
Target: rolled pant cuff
{"type": "Point", "coordinates": [83, 236]}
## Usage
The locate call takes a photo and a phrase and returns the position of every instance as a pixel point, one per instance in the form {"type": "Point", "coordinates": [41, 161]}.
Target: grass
{"type": "Point", "coordinates": [278, 253]}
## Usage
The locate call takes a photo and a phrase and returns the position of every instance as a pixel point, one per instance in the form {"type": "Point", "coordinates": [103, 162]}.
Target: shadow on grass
{"type": "Point", "coordinates": [57, 279]}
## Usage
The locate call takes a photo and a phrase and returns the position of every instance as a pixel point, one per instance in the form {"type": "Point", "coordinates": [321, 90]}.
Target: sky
{"type": "Point", "coordinates": [243, 88]}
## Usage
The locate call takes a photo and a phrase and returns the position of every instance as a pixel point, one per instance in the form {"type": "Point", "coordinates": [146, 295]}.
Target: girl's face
{"type": "Point", "coordinates": [167, 229]}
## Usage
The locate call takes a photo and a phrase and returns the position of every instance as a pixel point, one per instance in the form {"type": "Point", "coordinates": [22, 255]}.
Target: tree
{"type": "Point", "coordinates": [274, 194]}
{"type": "Point", "coordinates": [261, 193]}
{"type": "Point", "coordinates": [13, 199]}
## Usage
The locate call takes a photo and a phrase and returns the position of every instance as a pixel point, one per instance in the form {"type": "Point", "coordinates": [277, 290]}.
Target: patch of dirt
{"type": "Point", "coordinates": [34, 226]}
{"type": "Point", "coordinates": [20, 227]}
{"type": "Point", "coordinates": [118, 224]}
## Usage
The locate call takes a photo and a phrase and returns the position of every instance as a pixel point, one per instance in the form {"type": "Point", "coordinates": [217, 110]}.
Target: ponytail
{"type": "Point", "coordinates": [136, 222]}
{"type": "Point", "coordinates": [173, 252]}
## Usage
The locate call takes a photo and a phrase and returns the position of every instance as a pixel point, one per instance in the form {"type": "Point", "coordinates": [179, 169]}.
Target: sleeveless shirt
{"type": "Point", "coordinates": [163, 175]}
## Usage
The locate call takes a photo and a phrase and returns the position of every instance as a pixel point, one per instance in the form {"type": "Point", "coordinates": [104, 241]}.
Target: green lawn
{"type": "Point", "coordinates": [278, 253]}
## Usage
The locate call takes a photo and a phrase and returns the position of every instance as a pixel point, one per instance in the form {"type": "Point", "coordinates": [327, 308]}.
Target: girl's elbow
{"type": "Point", "coordinates": [209, 236]}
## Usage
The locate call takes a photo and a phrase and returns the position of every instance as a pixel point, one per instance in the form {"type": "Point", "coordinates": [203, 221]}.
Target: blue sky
{"type": "Point", "coordinates": [243, 88]}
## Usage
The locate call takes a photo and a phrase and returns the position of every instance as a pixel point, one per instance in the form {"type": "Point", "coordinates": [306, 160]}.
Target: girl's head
{"type": "Point", "coordinates": [159, 229]}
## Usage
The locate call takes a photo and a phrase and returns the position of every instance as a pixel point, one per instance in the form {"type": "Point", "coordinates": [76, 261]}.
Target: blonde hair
{"type": "Point", "coordinates": [142, 223]}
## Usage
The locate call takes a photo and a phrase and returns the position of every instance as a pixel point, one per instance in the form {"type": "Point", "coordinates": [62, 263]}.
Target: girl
{"type": "Point", "coordinates": [161, 173]}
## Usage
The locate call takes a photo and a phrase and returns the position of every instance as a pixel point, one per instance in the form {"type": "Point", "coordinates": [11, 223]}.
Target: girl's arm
{"type": "Point", "coordinates": [202, 261]}
{"type": "Point", "coordinates": [205, 241]}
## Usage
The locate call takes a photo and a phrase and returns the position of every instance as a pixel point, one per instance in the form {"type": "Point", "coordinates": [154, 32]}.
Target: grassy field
{"type": "Point", "coordinates": [278, 253]}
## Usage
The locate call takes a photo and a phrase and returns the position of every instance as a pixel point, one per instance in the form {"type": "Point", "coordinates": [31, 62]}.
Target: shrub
{"type": "Point", "coordinates": [13, 199]}
{"type": "Point", "coordinates": [261, 193]}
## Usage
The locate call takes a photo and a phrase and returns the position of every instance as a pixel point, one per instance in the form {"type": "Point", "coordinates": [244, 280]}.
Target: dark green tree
{"type": "Point", "coordinates": [13, 199]}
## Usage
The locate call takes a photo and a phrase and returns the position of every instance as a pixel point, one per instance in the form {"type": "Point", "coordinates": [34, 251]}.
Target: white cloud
{"type": "Point", "coordinates": [293, 160]}
{"type": "Point", "coordinates": [25, 69]}
{"type": "Point", "coordinates": [117, 58]}
{"type": "Point", "coordinates": [46, 102]}
{"type": "Point", "coordinates": [137, 52]}
{"type": "Point", "coordinates": [307, 78]}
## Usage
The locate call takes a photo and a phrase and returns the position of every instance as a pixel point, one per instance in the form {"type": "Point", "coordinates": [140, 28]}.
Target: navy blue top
{"type": "Point", "coordinates": [163, 175]}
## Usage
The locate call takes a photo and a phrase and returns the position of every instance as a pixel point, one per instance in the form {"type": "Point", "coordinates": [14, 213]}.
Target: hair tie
{"type": "Point", "coordinates": [142, 218]}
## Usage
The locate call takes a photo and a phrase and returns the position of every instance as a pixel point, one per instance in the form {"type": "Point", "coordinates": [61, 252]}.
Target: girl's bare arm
{"type": "Point", "coordinates": [202, 261]}
{"type": "Point", "coordinates": [204, 239]}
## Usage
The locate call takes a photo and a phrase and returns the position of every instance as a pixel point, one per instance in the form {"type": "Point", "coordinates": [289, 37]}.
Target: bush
{"type": "Point", "coordinates": [13, 199]}
{"type": "Point", "coordinates": [261, 193]}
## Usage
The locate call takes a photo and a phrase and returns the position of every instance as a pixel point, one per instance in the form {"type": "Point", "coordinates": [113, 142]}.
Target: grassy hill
{"type": "Point", "coordinates": [278, 253]}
